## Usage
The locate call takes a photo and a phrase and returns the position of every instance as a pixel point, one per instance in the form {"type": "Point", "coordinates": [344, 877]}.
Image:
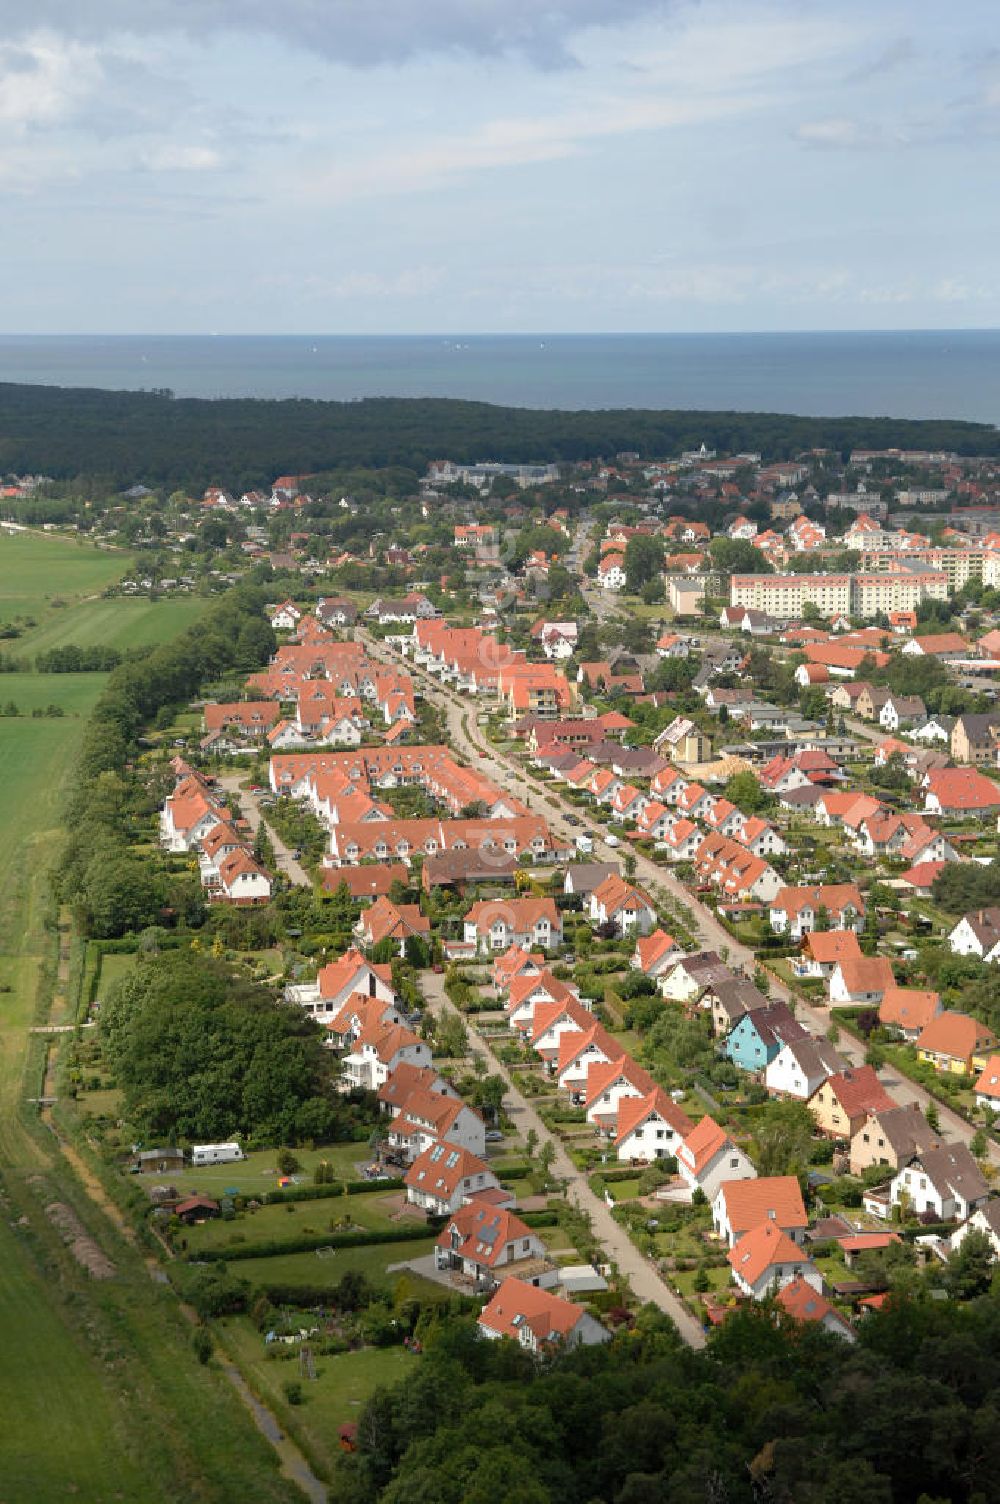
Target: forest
{"type": "Point", "coordinates": [770, 1411]}
{"type": "Point", "coordinates": [122, 438]}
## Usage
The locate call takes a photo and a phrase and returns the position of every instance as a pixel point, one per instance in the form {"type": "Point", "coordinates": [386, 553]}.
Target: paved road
{"type": "Point", "coordinates": [461, 721]}
{"type": "Point", "coordinates": [250, 809]}
{"type": "Point", "coordinates": [646, 1283]}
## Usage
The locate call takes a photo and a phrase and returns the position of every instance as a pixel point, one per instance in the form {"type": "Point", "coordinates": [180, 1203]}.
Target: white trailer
{"type": "Point", "coordinates": [216, 1154]}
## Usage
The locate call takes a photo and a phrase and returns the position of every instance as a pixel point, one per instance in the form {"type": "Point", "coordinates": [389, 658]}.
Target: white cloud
{"type": "Point", "coordinates": [43, 80]}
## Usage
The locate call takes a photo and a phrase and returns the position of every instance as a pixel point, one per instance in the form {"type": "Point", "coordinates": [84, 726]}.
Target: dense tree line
{"type": "Point", "coordinates": [962, 886]}
{"type": "Point", "coordinates": [124, 437]}
{"type": "Point", "coordinates": [73, 659]}
{"type": "Point", "coordinates": [771, 1411]}
{"type": "Point", "coordinates": [202, 1052]}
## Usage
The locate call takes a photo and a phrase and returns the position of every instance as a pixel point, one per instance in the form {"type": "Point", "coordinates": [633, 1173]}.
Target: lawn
{"type": "Point", "coordinates": [258, 1172]}
{"type": "Point", "coordinates": [329, 1269]}
{"type": "Point", "coordinates": [38, 569]}
{"type": "Point", "coordinates": [341, 1386]}
{"type": "Point", "coordinates": [114, 966]}
{"type": "Point", "coordinates": [296, 1219]}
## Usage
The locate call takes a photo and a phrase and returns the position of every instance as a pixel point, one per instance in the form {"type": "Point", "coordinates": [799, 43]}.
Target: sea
{"type": "Point", "coordinates": [916, 374]}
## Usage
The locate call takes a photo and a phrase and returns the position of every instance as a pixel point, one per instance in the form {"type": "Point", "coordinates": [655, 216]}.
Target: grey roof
{"type": "Point", "coordinates": [803, 797]}
{"type": "Point", "coordinates": [775, 1024]}
{"type": "Point", "coordinates": [907, 1131]}
{"type": "Point", "coordinates": [952, 1166]}
{"type": "Point", "coordinates": [985, 925]}
{"type": "Point", "coordinates": [586, 876]}
{"type": "Point", "coordinates": [816, 1056]}
{"type": "Point", "coordinates": [737, 996]}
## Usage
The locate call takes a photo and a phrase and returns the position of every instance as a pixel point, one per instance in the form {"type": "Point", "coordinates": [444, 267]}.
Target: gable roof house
{"type": "Point", "coordinates": [795, 909]}
{"type": "Point", "coordinates": [955, 1042]}
{"type": "Point", "coordinates": [891, 1137]}
{"type": "Point", "coordinates": [498, 923]}
{"type": "Point", "coordinates": [945, 1181]}
{"type": "Point", "coordinates": [728, 1000]}
{"type": "Point", "coordinates": [908, 1010]}
{"type": "Point", "coordinates": [974, 738]}
{"type": "Point", "coordinates": [481, 1239]}
{"type": "Point", "coordinates": [960, 792]}
{"type": "Point", "coordinates": [654, 953]}
{"type": "Point", "coordinates": [741, 1205]}
{"type": "Point", "coordinates": [607, 1084]}
{"type": "Point", "coordinates": [538, 1320]}
{"type": "Point", "coordinates": [987, 1087]}
{"type": "Point", "coordinates": [707, 1156]}
{"type": "Point", "coordinates": [429, 1117]}
{"type": "Point", "coordinates": [624, 905]}
{"type": "Point", "coordinates": [766, 1258]}
{"type": "Point", "coordinates": [650, 1127]}
{"type": "Point", "coordinates": [801, 1066]}
{"type": "Point", "coordinates": [841, 1103]}
{"type": "Point", "coordinates": [444, 1177]}
{"type": "Point", "coordinates": [863, 979]}
{"type": "Point", "coordinates": [823, 950]}
{"type": "Point", "coordinates": [759, 1036]}
{"type": "Point", "coordinates": [977, 934]}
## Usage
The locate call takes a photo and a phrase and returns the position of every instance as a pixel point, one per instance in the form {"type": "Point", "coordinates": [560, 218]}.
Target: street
{"type": "Point", "coordinates": [251, 812]}
{"type": "Point", "coordinates": [646, 1283]}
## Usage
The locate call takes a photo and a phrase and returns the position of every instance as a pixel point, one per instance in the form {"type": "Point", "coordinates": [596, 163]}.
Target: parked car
{"type": "Point", "coordinates": [494, 1136]}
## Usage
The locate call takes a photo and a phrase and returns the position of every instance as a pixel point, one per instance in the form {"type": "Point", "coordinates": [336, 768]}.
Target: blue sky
{"type": "Point", "coordinates": [379, 166]}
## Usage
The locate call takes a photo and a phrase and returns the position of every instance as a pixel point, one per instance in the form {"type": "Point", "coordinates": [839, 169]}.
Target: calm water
{"type": "Point", "coordinates": [912, 375]}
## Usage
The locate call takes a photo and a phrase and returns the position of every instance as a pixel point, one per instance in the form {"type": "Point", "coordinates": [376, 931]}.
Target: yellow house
{"type": "Point", "coordinates": [956, 1043]}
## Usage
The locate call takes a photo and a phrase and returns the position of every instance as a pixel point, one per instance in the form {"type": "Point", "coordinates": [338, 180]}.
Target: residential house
{"type": "Point", "coordinates": [741, 1205]}
{"type": "Point", "coordinates": [728, 1000]}
{"type": "Point", "coordinates": [488, 1243]}
{"type": "Point", "coordinates": [891, 1136]}
{"type": "Point", "coordinates": [974, 738]}
{"type": "Point", "coordinates": [945, 1181]}
{"type": "Point", "coordinates": [584, 877]}
{"type": "Point", "coordinates": [444, 1177]}
{"type": "Point", "coordinates": [385, 920]}
{"type": "Point", "coordinates": [496, 924]}
{"type": "Point", "coordinates": [795, 909]}
{"type": "Point", "coordinates": [621, 904]}
{"type": "Point", "coordinates": [908, 1010]}
{"type": "Point", "coordinates": [985, 1219]}
{"type": "Point", "coordinates": [765, 1259]}
{"type": "Point", "coordinates": [800, 1068]}
{"type": "Point", "coordinates": [977, 934]}
{"type": "Point", "coordinates": [801, 1301]}
{"type": "Point", "coordinates": [759, 1036]}
{"type": "Point", "coordinates": [607, 1084]}
{"type": "Point", "coordinates": [377, 1051]}
{"type": "Point", "coordinates": [538, 1320]}
{"type": "Point", "coordinates": [842, 1102]}
{"type": "Point", "coordinates": [901, 710]}
{"type": "Point", "coordinates": [823, 950]}
{"type": "Point", "coordinates": [428, 1117]}
{"type": "Point", "coordinates": [707, 1156]}
{"type": "Point", "coordinates": [987, 1087]}
{"type": "Point", "coordinates": [655, 953]}
{"type": "Point", "coordinates": [650, 1127]}
{"type": "Point", "coordinates": [692, 975]}
{"type": "Point", "coordinates": [961, 792]}
{"type": "Point", "coordinates": [955, 1043]}
{"type": "Point", "coordinates": [862, 980]}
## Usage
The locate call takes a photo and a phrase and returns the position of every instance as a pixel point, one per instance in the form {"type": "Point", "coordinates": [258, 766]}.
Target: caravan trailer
{"type": "Point", "coordinates": [215, 1154]}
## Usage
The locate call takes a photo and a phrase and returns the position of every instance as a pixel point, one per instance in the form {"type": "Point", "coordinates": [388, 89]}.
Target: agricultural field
{"type": "Point", "coordinates": [115, 623]}
{"type": "Point", "coordinates": [40, 570]}
{"type": "Point", "coordinates": [53, 1409]}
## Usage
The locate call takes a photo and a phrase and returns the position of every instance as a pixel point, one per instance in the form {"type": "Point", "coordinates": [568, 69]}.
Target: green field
{"type": "Point", "coordinates": [39, 568]}
{"type": "Point", "coordinates": [114, 623]}
{"type": "Point", "coordinates": [61, 1434]}
{"type": "Point", "coordinates": [100, 1395]}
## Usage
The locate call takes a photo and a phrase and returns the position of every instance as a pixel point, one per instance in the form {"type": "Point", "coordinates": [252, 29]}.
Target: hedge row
{"type": "Point", "coordinates": [330, 1189]}
{"type": "Point", "coordinates": [309, 1243]}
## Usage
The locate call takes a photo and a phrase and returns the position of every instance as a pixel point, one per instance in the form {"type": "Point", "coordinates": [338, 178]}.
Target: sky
{"type": "Point", "coordinates": [411, 166]}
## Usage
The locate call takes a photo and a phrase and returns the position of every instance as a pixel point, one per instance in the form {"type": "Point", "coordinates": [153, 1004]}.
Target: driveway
{"type": "Point", "coordinates": [646, 1283]}
{"type": "Point", "coordinates": [250, 809]}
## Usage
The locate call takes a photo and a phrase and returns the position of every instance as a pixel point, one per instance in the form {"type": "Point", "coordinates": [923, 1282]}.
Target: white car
{"type": "Point", "coordinates": [611, 840]}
